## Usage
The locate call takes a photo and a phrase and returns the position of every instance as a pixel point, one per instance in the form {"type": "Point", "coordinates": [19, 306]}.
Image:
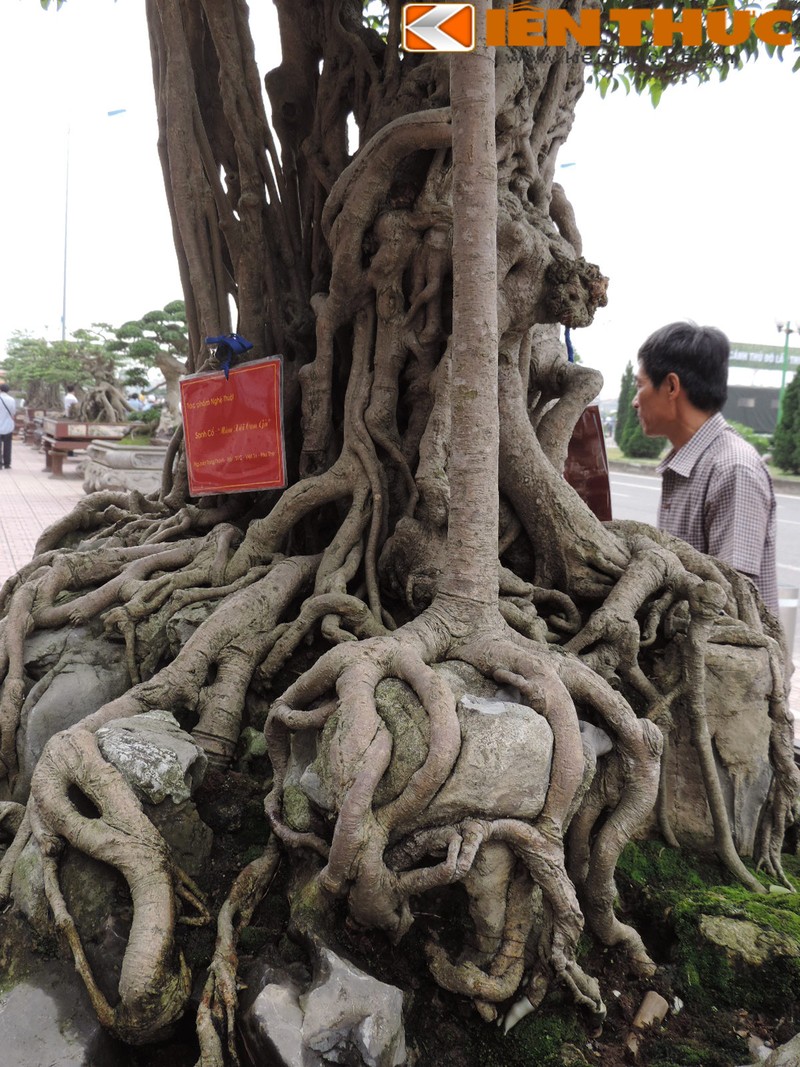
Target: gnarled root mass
{"type": "Point", "coordinates": [213, 601]}
{"type": "Point", "coordinates": [381, 847]}
{"type": "Point", "coordinates": [378, 890]}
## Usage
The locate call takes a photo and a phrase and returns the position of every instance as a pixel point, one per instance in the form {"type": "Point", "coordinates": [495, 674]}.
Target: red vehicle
{"type": "Point", "coordinates": [586, 468]}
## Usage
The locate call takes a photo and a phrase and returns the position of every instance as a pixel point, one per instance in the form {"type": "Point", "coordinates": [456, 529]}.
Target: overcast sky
{"type": "Point", "coordinates": [61, 73]}
{"type": "Point", "coordinates": [690, 209]}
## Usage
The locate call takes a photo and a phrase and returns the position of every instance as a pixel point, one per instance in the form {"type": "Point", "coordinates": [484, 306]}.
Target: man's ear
{"type": "Point", "coordinates": [673, 383]}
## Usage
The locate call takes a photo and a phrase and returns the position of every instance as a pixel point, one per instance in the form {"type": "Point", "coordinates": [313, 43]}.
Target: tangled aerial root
{"type": "Point", "coordinates": [374, 854]}
{"type": "Point", "coordinates": [216, 1016]}
{"type": "Point", "coordinates": [71, 778]}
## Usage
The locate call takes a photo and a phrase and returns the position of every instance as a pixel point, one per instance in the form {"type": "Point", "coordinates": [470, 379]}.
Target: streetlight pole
{"type": "Point", "coordinates": [786, 329]}
{"type": "Point", "coordinates": [66, 247]}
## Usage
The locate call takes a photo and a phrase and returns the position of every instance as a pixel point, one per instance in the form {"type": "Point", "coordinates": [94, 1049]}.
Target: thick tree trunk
{"type": "Point", "coordinates": [470, 567]}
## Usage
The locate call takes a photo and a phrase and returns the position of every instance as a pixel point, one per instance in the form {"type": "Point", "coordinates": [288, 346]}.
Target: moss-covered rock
{"type": "Point", "coordinates": [746, 942]}
{"type": "Point", "coordinates": [296, 809]}
{"type": "Point", "coordinates": [731, 948]}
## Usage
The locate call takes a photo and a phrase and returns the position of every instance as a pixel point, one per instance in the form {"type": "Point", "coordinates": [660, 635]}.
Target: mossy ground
{"type": "Point", "coordinates": [135, 439]}
{"type": "Point", "coordinates": [668, 891]}
{"type": "Point", "coordinates": [661, 891]}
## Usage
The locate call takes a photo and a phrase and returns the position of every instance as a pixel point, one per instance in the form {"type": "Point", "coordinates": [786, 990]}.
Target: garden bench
{"type": "Point", "coordinates": [56, 448]}
{"type": "Point", "coordinates": [61, 436]}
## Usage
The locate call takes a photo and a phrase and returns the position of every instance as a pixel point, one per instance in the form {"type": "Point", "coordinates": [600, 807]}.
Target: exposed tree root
{"type": "Point", "coordinates": [154, 981]}
{"type": "Point", "coordinates": [216, 1014]}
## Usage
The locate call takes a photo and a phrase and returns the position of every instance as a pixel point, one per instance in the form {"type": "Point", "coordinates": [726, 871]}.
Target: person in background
{"type": "Point", "coordinates": [71, 402]}
{"type": "Point", "coordinates": [716, 492]}
{"type": "Point", "coordinates": [8, 409]}
{"type": "Point", "coordinates": [134, 402]}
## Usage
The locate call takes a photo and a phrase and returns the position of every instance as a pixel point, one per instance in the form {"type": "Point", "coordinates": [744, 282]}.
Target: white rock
{"type": "Point", "coordinates": [345, 1017]}
{"type": "Point", "coordinates": [154, 755]}
{"type": "Point", "coordinates": [349, 1008]}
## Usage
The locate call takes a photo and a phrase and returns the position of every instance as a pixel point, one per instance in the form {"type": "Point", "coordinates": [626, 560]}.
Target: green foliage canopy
{"type": "Point", "coordinates": [624, 409]}
{"type": "Point", "coordinates": [651, 69]}
{"type": "Point", "coordinates": [119, 356]}
{"type": "Point", "coordinates": [158, 334]}
{"type": "Point", "coordinates": [786, 451]}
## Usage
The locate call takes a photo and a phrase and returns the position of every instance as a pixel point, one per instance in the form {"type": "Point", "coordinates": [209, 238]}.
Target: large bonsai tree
{"type": "Point", "coordinates": [415, 291]}
{"type": "Point", "coordinates": [159, 339]}
{"type": "Point", "coordinates": [92, 359]}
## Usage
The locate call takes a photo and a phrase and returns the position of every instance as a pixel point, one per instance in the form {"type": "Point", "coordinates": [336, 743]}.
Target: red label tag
{"type": "Point", "coordinates": [233, 429]}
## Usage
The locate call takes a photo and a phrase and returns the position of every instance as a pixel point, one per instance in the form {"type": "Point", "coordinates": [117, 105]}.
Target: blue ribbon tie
{"type": "Point", "coordinates": [570, 349]}
{"type": "Point", "coordinates": [229, 345]}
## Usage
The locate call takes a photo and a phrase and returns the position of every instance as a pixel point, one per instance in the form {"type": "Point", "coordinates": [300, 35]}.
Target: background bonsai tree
{"type": "Point", "coordinates": [85, 359]}
{"type": "Point", "coordinates": [159, 339]}
{"type": "Point", "coordinates": [102, 362]}
{"type": "Point", "coordinates": [39, 369]}
{"type": "Point", "coordinates": [427, 543]}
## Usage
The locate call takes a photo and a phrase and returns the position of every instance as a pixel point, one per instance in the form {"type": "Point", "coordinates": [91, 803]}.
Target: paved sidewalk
{"type": "Point", "coordinates": [30, 500]}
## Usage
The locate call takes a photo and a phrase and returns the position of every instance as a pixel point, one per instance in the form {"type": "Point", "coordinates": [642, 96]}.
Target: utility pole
{"type": "Point", "coordinates": [786, 329]}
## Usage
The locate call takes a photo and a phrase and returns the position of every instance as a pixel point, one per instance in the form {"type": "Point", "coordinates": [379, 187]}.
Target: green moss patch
{"type": "Point", "coordinates": [730, 947]}
{"type": "Point", "coordinates": [725, 1050]}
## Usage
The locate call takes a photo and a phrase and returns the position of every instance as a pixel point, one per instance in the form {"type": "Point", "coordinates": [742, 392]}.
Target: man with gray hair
{"type": "Point", "coordinates": [716, 492]}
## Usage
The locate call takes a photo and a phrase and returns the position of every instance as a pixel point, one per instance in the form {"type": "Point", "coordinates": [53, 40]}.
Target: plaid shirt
{"type": "Point", "coordinates": [716, 493]}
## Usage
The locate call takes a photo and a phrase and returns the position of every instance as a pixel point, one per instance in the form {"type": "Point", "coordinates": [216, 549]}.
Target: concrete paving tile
{"type": "Point", "coordinates": [31, 499]}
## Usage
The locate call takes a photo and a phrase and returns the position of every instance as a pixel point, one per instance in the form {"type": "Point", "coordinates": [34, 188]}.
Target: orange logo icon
{"type": "Point", "coordinates": [438, 27]}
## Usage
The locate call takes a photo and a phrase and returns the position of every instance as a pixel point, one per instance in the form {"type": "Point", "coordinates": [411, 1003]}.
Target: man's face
{"type": "Point", "coordinates": [652, 405]}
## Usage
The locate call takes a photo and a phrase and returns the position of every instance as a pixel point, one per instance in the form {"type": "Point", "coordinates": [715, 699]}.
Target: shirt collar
{"type": "Point", "coordinates": [682, 460]}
